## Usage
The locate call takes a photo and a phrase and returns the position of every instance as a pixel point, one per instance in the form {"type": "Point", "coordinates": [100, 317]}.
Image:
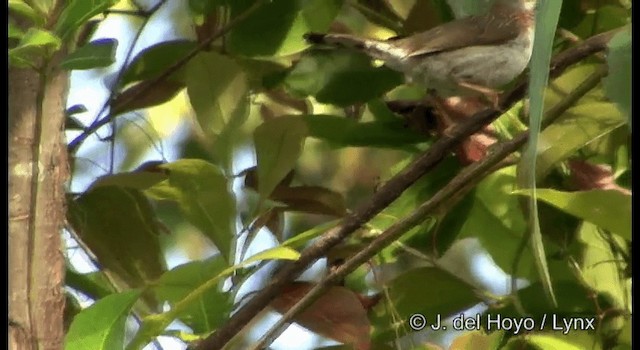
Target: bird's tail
{"type": "Point", "coordinates": [374, 48]}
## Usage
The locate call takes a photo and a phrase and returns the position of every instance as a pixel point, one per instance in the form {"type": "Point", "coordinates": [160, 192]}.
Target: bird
{"type": "Point", "coordinates": [465, 57]}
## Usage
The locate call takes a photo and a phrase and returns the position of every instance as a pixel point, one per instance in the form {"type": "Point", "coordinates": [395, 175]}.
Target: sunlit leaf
{"type": "Point", "coordinates": [98, 53]}
{"type": "Point", "coordinates": [277, 27]}
{"type": "Point", "coordinates": [102, 325]}
{"type": "Point", "coordinates": [608, 209]}
{"type": "Point", "coordinates": [219, 93]}
{"type": "Point", "coordinates": [212, 307]}
{"type": "Point", "coordinates": [601, 266]}
{"type": "Point", "coordinates": [22, 8]}
{"type": "Point", "coordinates": [478, 340]}
{"type": "Point", "coordinates": [579, 126]}
{"type": "Point", "coordinates": [278, 144]}
{"type": "Point", "coordinates": [204, 197]}
{"type": "Point", "coordinates": [35, 44]}
{"type": "Point", "coordinates": [618, 82]}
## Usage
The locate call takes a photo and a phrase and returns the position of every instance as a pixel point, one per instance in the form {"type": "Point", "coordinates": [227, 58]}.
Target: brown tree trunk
{"type": "Point", "coordinates": [37, 174]}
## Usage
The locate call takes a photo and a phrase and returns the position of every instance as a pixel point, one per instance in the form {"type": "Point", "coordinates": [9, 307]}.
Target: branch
{"type": "Point", "coordinates": [148, 85]}
{"type": "Point", "coordinates": [391, 190]}
{"type": "Point", "coordinates": [468, 177]}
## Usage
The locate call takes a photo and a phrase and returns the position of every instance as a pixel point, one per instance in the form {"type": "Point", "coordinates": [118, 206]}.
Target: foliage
{"type": "Point", "coordinates": [324, 139]}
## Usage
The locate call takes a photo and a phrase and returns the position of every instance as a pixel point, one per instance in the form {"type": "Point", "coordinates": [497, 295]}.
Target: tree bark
{"type": "Point", "coordinates": [38, 170]}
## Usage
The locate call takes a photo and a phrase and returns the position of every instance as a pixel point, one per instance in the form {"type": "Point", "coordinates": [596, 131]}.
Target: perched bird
{"type": "Point", "coordinates": [468, 56]}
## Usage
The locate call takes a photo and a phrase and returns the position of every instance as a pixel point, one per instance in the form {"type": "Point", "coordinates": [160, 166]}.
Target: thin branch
{"type": "Point", "coordinates": [471, 175]}
{"type": "Point", "coordinates": [73, 145]}
{"type": "Point", "coordinates": [389, 192]}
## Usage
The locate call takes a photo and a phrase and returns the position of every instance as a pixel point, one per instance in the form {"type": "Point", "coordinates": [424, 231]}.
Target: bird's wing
{"type": "Point", "coordinates": [468, 31]}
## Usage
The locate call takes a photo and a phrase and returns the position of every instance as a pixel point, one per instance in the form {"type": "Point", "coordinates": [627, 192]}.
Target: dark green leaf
{"type": "Point", "coordinates": [154, 60]}
{"type": "Point", "coordinates": [310, 199]}
{"type": "Point", "coordinates": [340, 77]}
{"type": "Point", "coordinates": [204, 197]}
{"type": "Point", "coordinates": [211, 308]}
{"type": "Point", "coordinates": [278, 143]}
{"type": "Point", "coordinates": [143, 95]}
{"type": "Point", "coordinates": [277, 27]}
{"type": "Point", "coordinates": [119, 227]}
{"type": "Point", "coordinates": [429, 291]}
{"type": "Point", "coordinates": [102, 325]}
{"type": "Point", "coordinates": [77, 12]}
{"type": "Point", "coordinates": [98, 53]}
{"type": "Point", "coordinates": [140, 180]}
{"type": "Point", "coordinates": [94, 284]}
{"type": "Point", "coordinates": [345, 132]}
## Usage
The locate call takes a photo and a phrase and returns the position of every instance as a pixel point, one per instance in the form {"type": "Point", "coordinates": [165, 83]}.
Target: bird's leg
{"type": "Point", "coordinates": [490, 94]}
{"type": "Point", "coordinates": [444, 119]}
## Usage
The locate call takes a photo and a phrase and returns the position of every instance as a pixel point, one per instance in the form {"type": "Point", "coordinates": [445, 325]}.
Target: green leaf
{"type": "Point", "coordinates": [101, 326]}
{"type": "Point", "coordinates": [310, 199]}
{"type": "Point", "coordinates": [601, 266]}
{"type": "Point", "coordinates": [219, 93]}
{"type": "Point", "coordinates": [544, 342]}
{"type": "Point", "coordinates": [23, 9]}
{"type": "Point", "coordinates": [14, 32]}
{"type": "Point", "coordinates": [478, 340]}
{"type": "Point", "coordinates": [608, 209]}
{"type": "Point", "coordinates": [429, 291]}
{"type": "Point", "coordinates": [211, 308]}
{"type": "Point", "coordinates": [94, 284]}
{"type": "Point", "coordinates": [140, 180]}
{"type": "Point", "coordinates": [576, 128]}
{"type": "Point", "coordinates": [277, 27]}
{"type": "Point", "coordinates": [618, 83]}
{"type": "Point", "coordinates": [154, 60]}
{"type": "Point", "coordinates": [35, 44]}
{"type": "Point", "coordinates": [340, 77]}
{"type": "Point", "coordinates": [119, 226]}
{"type": "Point", "coordinates": [547, 16]}
{"type": "Point", "coordinates": [496, 220]}
{"type": "Point", "coordinates": [204, 197]}
{"type": "Point", "coordinates": [346, 132]}
{"type": "Point", "coordinates": [155, 324]}
{"type": "Point", "coordinates": [77, 12]}
{"type": "Point", "coordinates": [98, 53]}
{"type": "Point", "coordinates": [278, 144]}
{"type": "Point", "coordinates": [275, 253]}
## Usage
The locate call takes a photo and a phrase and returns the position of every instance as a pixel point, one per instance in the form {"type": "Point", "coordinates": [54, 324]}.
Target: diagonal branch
{"type": "Point", "coordinates": [468, 177]}
{"type": "Point", "coordinates": [387, 194]}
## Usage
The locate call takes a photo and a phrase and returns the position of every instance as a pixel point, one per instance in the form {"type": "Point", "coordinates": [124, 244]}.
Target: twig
{"type": "Point", "coordinates": [388, 193]}
{"type": "Point", "coordinates": [73, 145]}
{"type": "Point", "coordinates": [469, 176]}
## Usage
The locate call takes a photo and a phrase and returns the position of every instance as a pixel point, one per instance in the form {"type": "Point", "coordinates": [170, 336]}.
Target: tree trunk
{"type": "Point", "coordinates": [38, 171]}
